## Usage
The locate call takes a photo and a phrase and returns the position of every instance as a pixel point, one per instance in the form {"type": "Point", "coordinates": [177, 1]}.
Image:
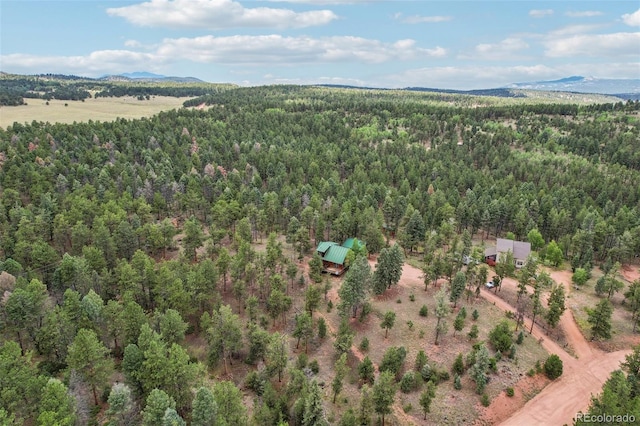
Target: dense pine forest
{"type": "Point", "coordinates": [163, 270]}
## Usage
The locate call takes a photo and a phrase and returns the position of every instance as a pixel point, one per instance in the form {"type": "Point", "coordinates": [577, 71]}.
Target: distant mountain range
{"type": "Point", "coordinates": [580, 84]}
{"type": "Point", "coordinates": [148, 76]}
{"type": "Point", "coordinates": [620, 88]}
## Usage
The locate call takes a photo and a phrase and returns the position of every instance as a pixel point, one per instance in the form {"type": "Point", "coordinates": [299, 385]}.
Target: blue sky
{"type": "Point", "coordinates": [442, 44]}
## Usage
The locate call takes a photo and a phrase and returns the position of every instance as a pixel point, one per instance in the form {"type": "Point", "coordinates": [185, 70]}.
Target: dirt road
{"type": "Point", "coordinates": [583, 374]}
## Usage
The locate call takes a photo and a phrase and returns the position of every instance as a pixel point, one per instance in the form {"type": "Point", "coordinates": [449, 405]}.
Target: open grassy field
{"type": "Point", "coordinates": [101, 109]}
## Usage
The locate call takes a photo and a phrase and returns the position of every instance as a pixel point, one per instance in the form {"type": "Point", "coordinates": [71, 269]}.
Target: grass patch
{"type": "Point", "coordinates": [101, 109]}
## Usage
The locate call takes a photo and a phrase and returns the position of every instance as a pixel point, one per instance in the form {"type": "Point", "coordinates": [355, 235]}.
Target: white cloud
{"type": "Point", "coordinates": [216, 14]}
{"type": "Point", "coordinates": [583, 14]}
{"type": "Point", "coordinates": [322, 2]}
{"type": "Point", "coordinates": [540, 13]}
{"type": "Point", "coordinates": [279, 49]}
{"type": "Point", "coordinates": [241, 50]}
{"type": "Point", "coordinates": [95, 64]}
{"type": "Point", "coordinates": [418, 19]}
{"type": "Point", "coordinates": [271, 79]}
{"type": "Point", "coordinates": [505, 49]}
{"type": "Point", "coordinates": [481, 77]}
{"type": "Point", "coordinates": [573, 29]}
{"type": "Point", "coordinates": [603, 45]}
{"type": "Point", "coordinates": [632, 19]}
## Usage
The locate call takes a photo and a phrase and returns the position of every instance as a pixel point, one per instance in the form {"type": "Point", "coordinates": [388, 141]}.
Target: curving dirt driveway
{"type": "Point", "coordinates": [583, 375]}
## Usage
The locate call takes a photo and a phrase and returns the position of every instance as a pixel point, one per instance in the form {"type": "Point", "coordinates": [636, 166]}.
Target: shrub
{"type": "Point", "coordinates": [398, 300]}
{"type": "Point", "coordinates": [421, 360]}
{"type": "Point", "coordinates": [538, 367]}
{"type": "Point", "coordinates": [314, 366]}
{"type": "Point", "coordinates": [512, 352]}
{"type": "Point", "coordinates": [426, 372]}
{"type": "Point", "coordinates": [510, 392]}
{"type": "Point", "coordinates": [421, 334]}
{"type": "Point", "coordinates": [473, 333]}
{"type": "Point", "coordinates": [463, 312]}
{"type": "Point", "coordinates": [393, 360]}
{"type": "Point", "coordinates": [322, 328]}
{"type": "Point", "coordinates": [364, 312]}
{"type": "Point", "coordinates": [553, 367]}
{"type": "Point", "coordinates": [485, 400]}
{"type": "Point", "coordinates": [410, 325]}
{"type": "Point", "coordinates": [457, 384]}
{"type": "Point", "coordinates": [520, 338]}
{"type": "Point", "coordinates": [407, 407]}
{"type": "Point", "coordinates": [501, 337]}
{"type": "Point", "coordinates": [255, 382]}
{"type": "Point", "coordinates": [364, 344]}
{"type": "Point", "coordinates": [442, 376]}
{"type": "Point", "coordinates": [408, 382]}
{"type": "Point", "coordinates": [366, 370]}
{"type": "Point", "coordinates": [475, 315]}
{"type": "Point", "coordinates": [531, 372]}
{"type": "Point", "coordinates": [412, 297]}
{"type": "Point", "coordinates": [492, 365]}
{"type": "Point", "coordinates": [302, 361]}
{"type": "Point", "coordinates": [458, 365]}
{"type": "Point", "coordinates": [424, 311]}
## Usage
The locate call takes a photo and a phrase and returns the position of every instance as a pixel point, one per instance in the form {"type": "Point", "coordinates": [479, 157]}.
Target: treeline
{"type": "Point", "coordinates": [149, 89]}
{"type": "Point", "coordinates": [14, 88]}
{"type": "Point", "coordinates": [89, 212]}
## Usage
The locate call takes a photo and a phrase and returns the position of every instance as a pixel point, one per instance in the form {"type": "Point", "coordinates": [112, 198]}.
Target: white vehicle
{"type": "Point", "coordinates": [490, 284]}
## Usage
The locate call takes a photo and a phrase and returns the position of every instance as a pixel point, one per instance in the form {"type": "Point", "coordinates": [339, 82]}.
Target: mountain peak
{"type": "Point", "coordinates": [141, 74]}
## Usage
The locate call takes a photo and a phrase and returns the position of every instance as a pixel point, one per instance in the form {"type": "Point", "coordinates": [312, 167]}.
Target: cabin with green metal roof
{"type": "Point", "coordinates": [333, 256]}
{"type": "Point", "coordinates": [353, 244]}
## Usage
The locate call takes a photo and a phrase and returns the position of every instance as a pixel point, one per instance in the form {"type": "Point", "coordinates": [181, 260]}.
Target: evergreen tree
{"type": "Point", "coordinates": [313, 407]}
{"type": "Point", "coordinates": [57, 405]}
{"type": "Point", "coordinates": [600, 320]}
{"type": "Point", "coordinates": [479, 368]}
{"type": "Point", "coordinates": [355, 287]}
{"type": "Point", "coordinates": [315, 268]}
{"type": "Point", "coordinates": [157, 404]}
{"type": "Point", "coordinates": [172, 418]}
{"type": "Point", "coordinates": [457, 287]}
{"type": "Point", "coordinates": [442, 310]}
{"type": "Point", "coordinates": [312, 297]}
{"type": "Point", "coordinates": [224, 335]}
{"type": "Point", "coordinates": [458, 323]}
{"type": "Point", "coordinates": [277, 356]}
{"type": "Point", "coordinates": [426, 397]}
{"type": "Point", "coordinates": [340, 369]}
{"type": "Point", "coordinates": [555, 305]}
{"type": "Point", "coordinates": [303, 329]}
{"type": "Point", "coordinates": [367, 407]}
{"type": "Point", "coordinates": [366, 370]}
{"type": "Point", "coordinates": [121, 404]}
{"type": "Point", "coordinates": [384, 391]}
{"type": "Point", "coordinates": [231, 407]}
{"type": "Point", "coordinates": [204, 408]}
{"type": "Point", "coordinates": [344, 339]}
{"type": "Point", "coordinates": [89, 357]}
{"type": "Point", "coordinates": [193, 238]}
{"type": "Point", "coordinates": [388, 270]}
{"type": "Point", "coordinates": [388, 321]}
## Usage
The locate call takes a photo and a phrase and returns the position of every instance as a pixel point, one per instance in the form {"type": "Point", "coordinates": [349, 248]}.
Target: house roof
{"type": "Point", "coordinates": [490, 251]}
{"type": "Point", "coordinates": [349, 242]}
{"type": "Point", "coordinates": [520, 249]}
{"type": "Point", "coordinates": [336, 254]}
{"type": "Point", "coordinates": [324, 246]}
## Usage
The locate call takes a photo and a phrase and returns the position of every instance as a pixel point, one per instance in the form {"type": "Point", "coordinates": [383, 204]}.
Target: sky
{"type": "Point", "coordinates": [393, 44]}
